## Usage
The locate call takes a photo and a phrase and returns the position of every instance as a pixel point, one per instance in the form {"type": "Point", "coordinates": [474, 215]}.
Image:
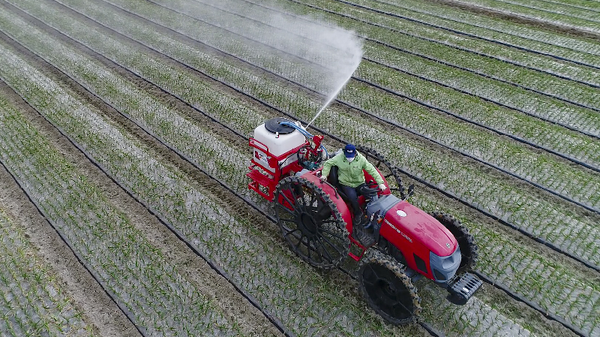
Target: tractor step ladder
{"type": "Point", "coordinates": [363, 237]}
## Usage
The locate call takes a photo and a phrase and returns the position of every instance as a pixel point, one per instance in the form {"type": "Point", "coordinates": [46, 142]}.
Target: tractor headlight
{"type": "Point", "coordinates": [444, 267]}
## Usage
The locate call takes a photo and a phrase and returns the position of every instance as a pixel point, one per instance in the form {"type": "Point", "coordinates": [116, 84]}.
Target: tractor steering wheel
{"type": "Point", "coordinates": [370, 189]}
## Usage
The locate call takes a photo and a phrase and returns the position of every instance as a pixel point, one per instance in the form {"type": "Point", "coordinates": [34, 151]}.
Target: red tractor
{"type": "Point", "coordinates": [402, 242]}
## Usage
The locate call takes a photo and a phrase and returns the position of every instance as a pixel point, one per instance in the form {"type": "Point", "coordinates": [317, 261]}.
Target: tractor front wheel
{"type": "Point", "coordinates": [311, 223]}
{"type": "Point", "coordinates": [468, 248]}
{"type": "Point", "coordinates": [387, 289]}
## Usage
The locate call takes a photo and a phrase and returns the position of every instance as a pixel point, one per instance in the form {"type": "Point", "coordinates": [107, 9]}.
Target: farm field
{"type": "Point", "coordinates": [124, 128]}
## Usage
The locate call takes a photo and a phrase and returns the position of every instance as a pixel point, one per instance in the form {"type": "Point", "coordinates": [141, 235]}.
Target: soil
{"type": "Point", "coordinates": [98, 309]}
{"type": "Point", "coordinates": [520, 19]}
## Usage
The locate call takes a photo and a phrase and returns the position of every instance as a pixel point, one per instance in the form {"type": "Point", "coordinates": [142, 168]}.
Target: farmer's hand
{"type": "Point", "coordinates": [382, 187]}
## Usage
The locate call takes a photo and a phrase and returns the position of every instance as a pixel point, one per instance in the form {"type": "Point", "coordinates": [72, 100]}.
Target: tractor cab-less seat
{"type": "Point", "coordinates": [363, 230]}
{"type": "Point", "coordinates": [365, 191]}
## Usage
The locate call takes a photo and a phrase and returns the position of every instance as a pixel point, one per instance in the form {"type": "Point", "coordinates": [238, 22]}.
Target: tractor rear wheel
{"type": "Point", "coordinates": [387, 288]}
{"type": "Point", "coordinates": [311, 223]}
{"type": "Point", "coordinates": [389, 172]}
{"type": "Point", "coordinates": [468, 248]}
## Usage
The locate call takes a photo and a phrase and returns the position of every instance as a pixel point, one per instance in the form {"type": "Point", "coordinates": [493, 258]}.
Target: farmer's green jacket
{"type": "Point", "coordinates": [351, 173]}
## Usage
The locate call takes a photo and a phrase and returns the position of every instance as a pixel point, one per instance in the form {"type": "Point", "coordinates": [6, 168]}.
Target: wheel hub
{"type": "Point", "coordinates": [388, 290]}
{"type": "Point", "coordinates": [311, 223]}
{"type": "Point", "coordinates": [384, 291]}
{"type": "Point", "coordinates": [307, 225]}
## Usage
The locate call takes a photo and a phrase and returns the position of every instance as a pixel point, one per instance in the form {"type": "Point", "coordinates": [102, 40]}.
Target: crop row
{"type": "Point", "coordinates": [549, 171]}
{"type": "Point", "coordinates": [133, 270]}
{"type": "Point", "coordinates": [432, 44]}
{"type": "Point", "coordinates": [236, 246]}
{"type": "Point", "coordinates": [179, 81]}
{"type": "Point", "coordinates": [475, 314]}
{"type": "Point", "coordinates": [561, 14]}
{"type": "Point", "coordinates": [489, 28]}
{"type": "Point", "coordinates": [511, 203]}
{"type": "Point", "coordinates": [571, 8]}
{"type": "Point", "coordinates": [32, 301]}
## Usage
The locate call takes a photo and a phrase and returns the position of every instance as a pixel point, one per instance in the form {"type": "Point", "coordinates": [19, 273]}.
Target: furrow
{"type": "Point", "coordinates": [122, 103]}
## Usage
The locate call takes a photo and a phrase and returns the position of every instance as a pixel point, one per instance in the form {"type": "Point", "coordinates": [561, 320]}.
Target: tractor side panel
{"type": "Point", "coordinates": [416, 234]}
{"type": "Point", "coordinates": [415, 253]}
{"type": "Point", "coordinates": [422, 227]}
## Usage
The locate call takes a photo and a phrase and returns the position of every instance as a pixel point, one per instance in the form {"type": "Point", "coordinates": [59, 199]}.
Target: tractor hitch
{"type": "Point", "coordinates": [463, 287]}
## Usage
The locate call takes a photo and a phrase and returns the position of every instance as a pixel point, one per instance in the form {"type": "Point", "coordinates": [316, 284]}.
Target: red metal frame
{"type": "Point", "coordinates": [410, 235]}
{"type": "Point", "coordinates": [264, 180]}
{"type": "Point", "coordinates": [267, 177]}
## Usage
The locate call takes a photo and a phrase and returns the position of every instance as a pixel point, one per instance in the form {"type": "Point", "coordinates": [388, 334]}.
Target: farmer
{"type": "Point", "coordinates": [350, 175]}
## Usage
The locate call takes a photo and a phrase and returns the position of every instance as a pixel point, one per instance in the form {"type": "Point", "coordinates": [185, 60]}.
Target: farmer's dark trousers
{"type": "Point", "coordinates": [352, 194]}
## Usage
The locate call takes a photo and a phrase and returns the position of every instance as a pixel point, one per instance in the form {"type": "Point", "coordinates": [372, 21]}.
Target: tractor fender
{"type": "Point", "coordinates": [335, 197]}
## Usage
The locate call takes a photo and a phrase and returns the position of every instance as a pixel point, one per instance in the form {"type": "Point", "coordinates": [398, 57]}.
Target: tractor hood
{"type": "Point", "coordinates": [416, 225]}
